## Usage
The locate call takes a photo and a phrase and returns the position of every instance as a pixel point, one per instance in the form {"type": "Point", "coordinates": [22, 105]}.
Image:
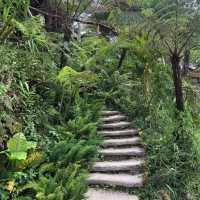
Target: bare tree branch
{"type": "Point", "coordinates": [77, 20]}
{"type": "Point", "coordinates": [45, 13]}
{"type": "Point", "coordinates": [77, 8]}
{"type": "Point", "coordinates": [185, 43]}
{"type": "Point", "coordinates": [97, 24]}
{"type": "Point", "coordinates": [168, 46]}
{"type": "Point", "coordinates": [86, 6]}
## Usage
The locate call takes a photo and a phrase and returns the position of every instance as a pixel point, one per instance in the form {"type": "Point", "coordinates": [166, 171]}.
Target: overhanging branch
{"type": "Point", "coordinates": [98, 24]}
{"type": "Point", "coordinates": [110, 28]}
{"type": "Point", "coordinates": [45, 13]}
{"type": "Point", "coordinates": [186, 41]}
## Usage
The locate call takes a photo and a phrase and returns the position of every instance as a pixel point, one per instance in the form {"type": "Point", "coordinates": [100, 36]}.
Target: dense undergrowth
{"type": "Point", "coordinates": [49, 115]}
{"type": "Point", "coordinates": [48, 132]}
{"type": "Point", "coordinates": [49, 123]}
{"type": "Point", "coordinates": [143, 89]}
{"type": "Point", "coordinates": [171, 139]}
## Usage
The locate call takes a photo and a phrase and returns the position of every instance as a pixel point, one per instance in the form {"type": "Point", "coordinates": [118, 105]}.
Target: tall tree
{"type": "Point", "coordinates": [172, 25]}
{"type": "Point", "coordinates": [175, 24]}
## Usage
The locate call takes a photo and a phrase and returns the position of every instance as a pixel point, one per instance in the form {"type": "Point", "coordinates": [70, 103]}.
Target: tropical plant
{"type": "Point", "coordinates": [121, 57]}
{"type": "Point", "coordinates": [18, 147]}
{"type": "Point", "coordinates": [175, 26]}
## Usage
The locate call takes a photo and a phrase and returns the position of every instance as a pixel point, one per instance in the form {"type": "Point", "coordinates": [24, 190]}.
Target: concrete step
{"type": "Point", "coordinates": [125, 132]}
{"type": "Point", "coordinates": [113, 118]}
{"type": "Point", "coordinates": [123, 165]}
{"type": "Point", "coordinates": [132, 151]}
{"type": "Point", "coordinates": [115, 125]}
{"type": "Point", "coordinates": [109, 112]}
{"type": "Point", "coordinates": [122, 142]}
{"type": "Point", "coordinates": [124, 180]}
{"type": "Point", "coordinates": [99, 194]}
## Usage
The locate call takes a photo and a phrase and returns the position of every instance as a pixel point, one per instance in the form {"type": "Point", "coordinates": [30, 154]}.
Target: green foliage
{"type": "Point", "coordinates": [56, 181]}
{"type": "Point", "coordinates": [59, 109]}
{"type": "Point", "coordinates": [18, 147]}
{"type": "Point", "coordinates": [33, 33]}
{"type": "Point", "coordinates": [10, 12]}
{"type": "Point", "coordinates": [67, 183]}
{"type": "Point", "coordinates": [29, 104]}
{"type": "Point", "coordinates": [197, 142]}
{"type": "Point", "coordinates": [67, 76]}
{"type": "Point", "coordinates": [66, 152]}
{"type": "Point", "coordinates": [82, 127]}
{"type": "Point", "coordinates": [170, 138]}
{"type": "Point", "coordinates": [88, 53]}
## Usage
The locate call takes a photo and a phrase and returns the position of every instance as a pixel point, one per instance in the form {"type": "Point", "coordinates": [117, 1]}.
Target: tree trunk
{"type": "Point", "coordinates": [122, 57]}
{"type": "Point", "coordinates": [186, 61]}
{"type": "Point", "coordinates": [67, 38]}
{"type": "Point", "coordinates": [175, 62]}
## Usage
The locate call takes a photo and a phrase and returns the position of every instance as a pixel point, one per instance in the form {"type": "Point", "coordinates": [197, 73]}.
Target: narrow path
{"type": "Point", "coordinates": [121, 162]}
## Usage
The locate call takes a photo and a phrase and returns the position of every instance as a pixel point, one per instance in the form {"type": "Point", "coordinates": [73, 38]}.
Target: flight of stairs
{"type": "Point", "coordinates": [122, 159]}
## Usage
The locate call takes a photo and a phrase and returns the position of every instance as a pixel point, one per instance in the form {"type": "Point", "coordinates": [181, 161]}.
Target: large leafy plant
{"type": "Point", "coordinates": [18, 147]}
{"type": "Point", "coordinates": [73, 83]}
{"type": "Point", "coordinates": [69, 76]}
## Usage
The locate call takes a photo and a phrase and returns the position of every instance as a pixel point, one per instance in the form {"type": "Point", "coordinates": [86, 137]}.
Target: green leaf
{"type": "Point", "coordinates": [18, 155]}
{"type": "Point", "coordinates": [18, 147]}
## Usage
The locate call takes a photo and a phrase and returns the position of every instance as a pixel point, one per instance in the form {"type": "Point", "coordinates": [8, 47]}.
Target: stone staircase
{"type": "Point", "coordinates": [121, 162]}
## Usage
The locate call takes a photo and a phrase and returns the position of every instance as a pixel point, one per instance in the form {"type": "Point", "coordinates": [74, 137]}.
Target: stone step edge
{"type": "Point", "coordinates": [124, 180]}
{"type": "Point", "coordinates": [109, 112]}
{"type": "Point", "coordinates": [134, 151]}
{"type": "Point", "coordinates": [120, 124]}
{"type": "Point", "coordinates": [122, 165]}
{"type": "Point", "coordinates": [113, 118]}
{"type": "Point", "coordinates": [126, 132]}
{"type": "Point", "coordinates": [101, 194]}
{"type": "Point", "coordinates": [122, 141]}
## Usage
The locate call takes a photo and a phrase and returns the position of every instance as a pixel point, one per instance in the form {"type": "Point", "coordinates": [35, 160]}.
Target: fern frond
{"type": "Point", "coordinates": [47, 168]}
